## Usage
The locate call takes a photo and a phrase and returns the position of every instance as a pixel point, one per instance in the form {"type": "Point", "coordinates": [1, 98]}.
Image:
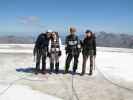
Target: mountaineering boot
{"type": "Point", "coordinates": [82, 73]}
{"type": "Point", "coordinates": [43, 71]}
{"type": "Point", "coordinates": [74, 68]}
{"type": "Point", "coordinates": [74, 71]}
{"type": "Point", "coordinates": [66, 69]}
{"type": "Point", "coordinates": [36, 71]}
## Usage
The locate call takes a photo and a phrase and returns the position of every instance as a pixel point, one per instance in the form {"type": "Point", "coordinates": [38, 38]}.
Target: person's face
{"type": "Point", "coordinates": [72, 32]}
{"type": "Point", "coordinates": [88, 34]}
{"type": "Point", "coordinates": [54, 35]}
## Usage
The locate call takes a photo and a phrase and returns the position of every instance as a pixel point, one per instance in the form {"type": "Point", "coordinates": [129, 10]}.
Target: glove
{"type": "Point", "coordinates": [81, 43]}
{"type": "Point", "coordinates": [66, 52]}
{"type": "Point", "coordinates": [60, 53]}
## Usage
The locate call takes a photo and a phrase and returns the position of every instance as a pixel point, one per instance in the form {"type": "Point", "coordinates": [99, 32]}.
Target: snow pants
{"type": "Point", "coordinates": [85, 58]}
{"type": "Point", "coordinates": [54, 61]}
{"type": "Point", "coordinates": [68, 61]}
{"type": "Point", "coordinates": [41, 55]}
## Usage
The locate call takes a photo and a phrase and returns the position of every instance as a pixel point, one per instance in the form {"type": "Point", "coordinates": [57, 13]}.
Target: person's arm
{"type": "Point", "coordinates": [60, 44]}
{"type": "Point", "coordinates": [79, 45]}
{"type": "Point", "coordinates": [49, 46]}
{"type": "Point", "coordinates": [36, 44]}
{"type": "Point", "coordinates": [60, 47]}
{"type": "Point", "coordinates": [66, 43]}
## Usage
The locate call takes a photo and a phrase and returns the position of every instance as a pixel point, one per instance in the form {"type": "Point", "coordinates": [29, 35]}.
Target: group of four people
{"type": "Point", "coordinates": [49, 45]}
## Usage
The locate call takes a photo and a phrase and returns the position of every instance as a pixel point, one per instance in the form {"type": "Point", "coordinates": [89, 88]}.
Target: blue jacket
{"type": "Point", "coordinates": [42, 41]}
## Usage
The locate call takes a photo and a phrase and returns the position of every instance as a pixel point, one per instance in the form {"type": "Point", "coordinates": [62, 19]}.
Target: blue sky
{"type": "Point", "coordinates": [32, 16]}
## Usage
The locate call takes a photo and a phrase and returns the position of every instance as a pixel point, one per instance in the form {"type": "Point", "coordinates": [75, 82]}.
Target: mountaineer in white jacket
{"type": "Point", "coordinates": [54, 51]}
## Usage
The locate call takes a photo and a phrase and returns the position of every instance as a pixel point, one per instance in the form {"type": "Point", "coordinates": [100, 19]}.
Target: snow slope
{"type": "Point", "coordinates": [114, 63]}
{"type": "Point", "coordinates": [18, 92]}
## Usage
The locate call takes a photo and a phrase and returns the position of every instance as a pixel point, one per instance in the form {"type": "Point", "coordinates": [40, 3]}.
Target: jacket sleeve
{"type": "Point", "coordinates": [36, 45]}
{"type": "Point", "coordinates": [38, 40]}
{"type": "Point", "coordinates": [66, 43]}
{"type": "Point", "coordinates": [79, 45]}
{"type": "Point", "coordinates": [94, 44]}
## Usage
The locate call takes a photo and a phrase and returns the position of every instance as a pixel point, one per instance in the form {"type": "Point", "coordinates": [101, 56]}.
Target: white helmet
{"type": "Point", "coordinates": [49, 31]}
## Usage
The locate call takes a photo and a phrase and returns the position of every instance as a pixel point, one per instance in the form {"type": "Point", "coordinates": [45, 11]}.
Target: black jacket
{"type": "Point", "coordinates": [71, 44]}
{"type": "Point", "coordinates": [89, 44]}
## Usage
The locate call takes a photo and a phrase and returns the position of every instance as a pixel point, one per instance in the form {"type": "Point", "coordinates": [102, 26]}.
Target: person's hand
{"type": "Point", "coordinates": [79, 50]}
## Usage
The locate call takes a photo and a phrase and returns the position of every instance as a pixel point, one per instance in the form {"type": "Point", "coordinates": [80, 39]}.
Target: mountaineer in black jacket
{"type": "Point", "coordinates": [72, 47]}
{"type": "Point", "coordinates": [41, 51]}
{"type": "Point", "coordinates": [88, 50]}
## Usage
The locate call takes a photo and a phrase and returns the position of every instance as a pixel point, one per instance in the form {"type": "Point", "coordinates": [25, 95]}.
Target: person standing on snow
{"type": "Point", "coordinates": [41, 50]}
{"type": "Point", "coordinates": [88, 50]}
{"type": "Point", "coordinates": [72, 47]}
{"type": "Point", "coordinates": [54, 51]}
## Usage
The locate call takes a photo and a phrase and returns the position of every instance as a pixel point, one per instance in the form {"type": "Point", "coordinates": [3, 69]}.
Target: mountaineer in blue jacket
{"type": "Point", "coordinates": [41, 51]}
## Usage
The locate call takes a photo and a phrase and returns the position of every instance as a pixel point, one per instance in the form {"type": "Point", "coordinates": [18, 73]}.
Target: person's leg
{"type": "Point", "coordinates": [57, 62]}
{"type": "Point", "coordinates": [38, 58]}
{"type": "Point", "coordinates": [52, 62]}
{"type": "Point", "coordinates": [91, 65]}
{"type": "Point", "coordinates": [68, 60]}
{"type": "Point", "coordinates": [84, 63]}
{"type": "Point", "coordinates": [44, 56]}
{"type": "Point", "coordinates": [75, 65]}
